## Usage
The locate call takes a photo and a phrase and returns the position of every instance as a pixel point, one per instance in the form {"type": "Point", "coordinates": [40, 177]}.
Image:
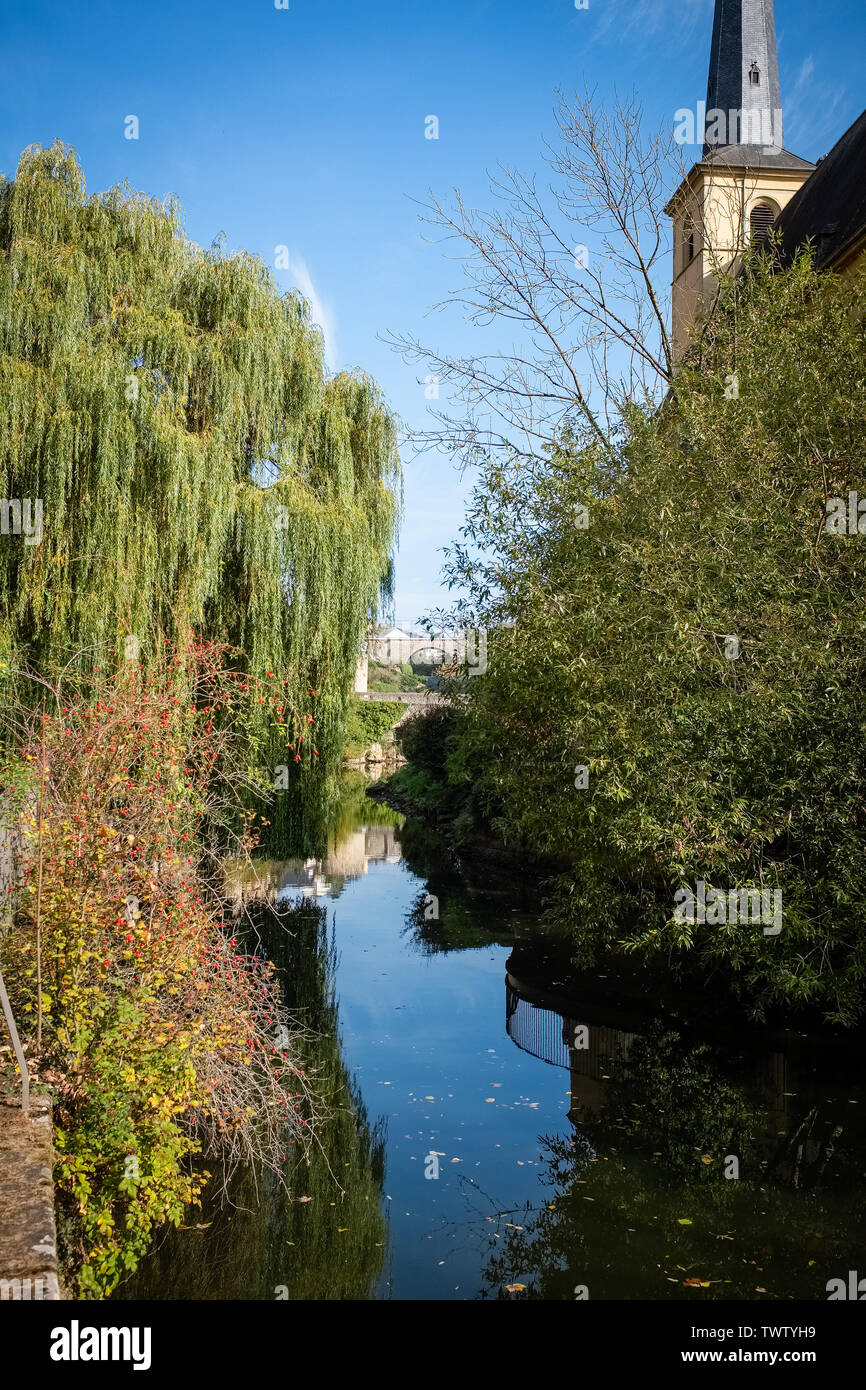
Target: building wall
{"type": "Point", "coordinates": [718, 204]}
{"type": "Point", "coordinates": [394, 651]}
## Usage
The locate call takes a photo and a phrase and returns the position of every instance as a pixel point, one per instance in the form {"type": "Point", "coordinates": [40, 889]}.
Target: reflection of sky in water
{"type": "Point", "coordinates": [425, 1038]}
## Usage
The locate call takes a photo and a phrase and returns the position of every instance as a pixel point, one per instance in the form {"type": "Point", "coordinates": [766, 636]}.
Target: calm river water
{"type": "Point", "coordinates": [503, 1128]}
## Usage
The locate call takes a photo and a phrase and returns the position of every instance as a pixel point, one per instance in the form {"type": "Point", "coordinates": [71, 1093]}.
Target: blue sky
{"type": "Point", "coordinates": [305, 128]}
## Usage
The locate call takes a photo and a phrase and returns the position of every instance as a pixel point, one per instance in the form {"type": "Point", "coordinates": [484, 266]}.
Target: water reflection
{"type": "Point", "coordinates": [322, 1234]}
{"type": "Point", "coordinates": [734, 1168]}
{"type": "Point", "coordinates": [613, 1135]}
{"type": "Point", "coordinates": [287, 881]}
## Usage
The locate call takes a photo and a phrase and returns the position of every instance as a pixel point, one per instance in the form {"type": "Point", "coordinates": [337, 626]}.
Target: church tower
{"type": "Point", "coordinates": [745, 176]}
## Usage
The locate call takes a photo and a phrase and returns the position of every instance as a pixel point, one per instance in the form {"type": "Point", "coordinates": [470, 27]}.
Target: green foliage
{"type": "Point", "coordinates": [607, 649]}
{"type": "Point", "coordinates": [424, 789]}
{"type": "Point", "coordinates": [196, 467]}
{"type": "Point", "coordinates": [331, 1245]}
{"type": "Point", "coordinates": [368, 721]}
{"type": "Point", "coordinates": [383, 678]}
{"type": "Point", "coordinates": [161, 1040]}
{"type": "Point", "coordinates": [426, 738]}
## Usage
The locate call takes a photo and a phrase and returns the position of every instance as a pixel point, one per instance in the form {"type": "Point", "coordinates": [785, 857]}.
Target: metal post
{"type": "Point", "coordinates": [16, 1043]}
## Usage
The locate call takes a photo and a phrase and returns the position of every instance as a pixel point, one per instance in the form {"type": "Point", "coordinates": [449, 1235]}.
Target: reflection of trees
{"type": "Point", "coordinates": [356, 808]}
{"type": "Point", "coordinates": [469, 915]}
{"type": "Point", "coordinates": [640, 1202]}
{"type": "Point", "coordinates": [671, 1101]}
{"type": "Point", "coordinates": [301, 828]}
{"type": "Point", "coordinates": [331, 1247]}
{"type": "Point", "coordinates": [456, 928]}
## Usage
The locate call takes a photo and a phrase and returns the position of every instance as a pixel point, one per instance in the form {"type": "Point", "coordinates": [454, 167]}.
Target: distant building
{"type": "Point", "coordinates": [398, 645]}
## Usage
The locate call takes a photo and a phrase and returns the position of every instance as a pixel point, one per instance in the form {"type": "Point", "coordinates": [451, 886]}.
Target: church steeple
{"type": "Point", "coordinates": [745, 176]}
{"type": "Point", "coordinates": [744, 100]}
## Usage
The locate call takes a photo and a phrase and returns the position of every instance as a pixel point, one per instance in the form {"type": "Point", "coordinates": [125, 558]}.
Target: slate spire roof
{"type": "Point", "coordinates": [744, 85]}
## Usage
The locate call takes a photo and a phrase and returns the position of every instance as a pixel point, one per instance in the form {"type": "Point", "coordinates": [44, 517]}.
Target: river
{"type": "Point", "coordinates": [504, 1127]}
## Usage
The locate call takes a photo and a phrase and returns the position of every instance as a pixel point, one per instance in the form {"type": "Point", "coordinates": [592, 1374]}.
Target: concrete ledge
{"type": "Point", "coordinates": [28, 1240]}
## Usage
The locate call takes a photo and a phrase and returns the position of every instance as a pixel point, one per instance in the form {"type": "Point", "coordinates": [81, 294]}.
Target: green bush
{"type": "Point", "coordinates": [382, 678]}
{"type": "Point", "coordinates": [742, 764]}
{"type": "Point", "coordinates": [423, 788]}
{"type": "Point", "coordinates": [427, 738]}
{"type": "Point", "coordinates": [369, 721]}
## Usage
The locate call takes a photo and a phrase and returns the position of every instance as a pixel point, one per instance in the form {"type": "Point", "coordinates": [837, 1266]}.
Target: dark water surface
{"type": "Point", "coordinates": [499, 1121]}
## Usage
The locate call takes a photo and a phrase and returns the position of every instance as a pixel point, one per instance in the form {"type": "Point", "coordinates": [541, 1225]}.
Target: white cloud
{"type": "Point", "coordinates": [806, 69]}
{"type": "Point", "coordinates": [321, 312]}
{"type": "Point", "coordinates": [813, 110]}
{"type": "Point", "coordinates": [640, 18]}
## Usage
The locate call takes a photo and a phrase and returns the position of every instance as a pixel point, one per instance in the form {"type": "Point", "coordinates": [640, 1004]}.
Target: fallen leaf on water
{"type": "Point", "coordinates": [514, 1288]}
{"type": "Point", "coordinates": [695, 1283]}
{"type": "Point", "coordinates": [684, 1221]}
{"type": "Point", "coordinates": [305, 1199]}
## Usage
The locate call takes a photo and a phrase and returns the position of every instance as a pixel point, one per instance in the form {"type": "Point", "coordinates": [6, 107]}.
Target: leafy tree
{"type": "Point", "coordinates": [167, 409]}
{"type": "Point", "coordinates": [612, 590]}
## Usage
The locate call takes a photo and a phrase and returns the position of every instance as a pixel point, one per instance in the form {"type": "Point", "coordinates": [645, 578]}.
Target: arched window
{"type": "Point", "coordinates": [761, 220]}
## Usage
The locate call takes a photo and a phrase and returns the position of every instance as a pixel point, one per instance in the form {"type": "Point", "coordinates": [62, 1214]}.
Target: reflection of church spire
{"type": "Point", "coordinates": [744, 77]}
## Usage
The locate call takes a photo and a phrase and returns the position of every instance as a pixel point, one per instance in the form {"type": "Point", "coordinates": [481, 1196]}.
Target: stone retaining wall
{"type": "Point", "coordinates": [28, 1240]}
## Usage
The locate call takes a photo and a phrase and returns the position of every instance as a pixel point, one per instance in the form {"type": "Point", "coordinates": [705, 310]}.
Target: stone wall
{"type": "Point", "coordinates": [28, 1241]}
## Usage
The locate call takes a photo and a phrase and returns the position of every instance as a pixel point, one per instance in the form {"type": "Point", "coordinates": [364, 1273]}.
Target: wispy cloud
{"type": "Point", "coordinates": [639, 18]}
{"type": "Point", "coordinates": [813, 110]}
{"type": "Point", "coordinates": [807, 67]}
{"type": "Point", "coordinates": [321, 312]}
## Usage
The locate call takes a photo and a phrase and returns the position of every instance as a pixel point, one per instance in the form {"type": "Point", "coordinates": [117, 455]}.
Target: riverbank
{"type": "Point", "coordinates": [470, 845]}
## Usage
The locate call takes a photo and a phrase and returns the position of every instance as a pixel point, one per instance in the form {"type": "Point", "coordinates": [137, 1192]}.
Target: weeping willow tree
{"type": "Point", "coordinates": [165, 412]}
